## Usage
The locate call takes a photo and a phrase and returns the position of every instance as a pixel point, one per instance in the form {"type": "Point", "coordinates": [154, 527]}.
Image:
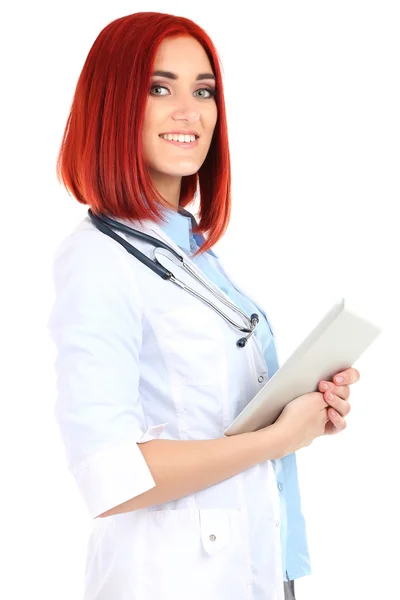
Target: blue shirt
{"type": "Point", "coordinates": [295, 554]}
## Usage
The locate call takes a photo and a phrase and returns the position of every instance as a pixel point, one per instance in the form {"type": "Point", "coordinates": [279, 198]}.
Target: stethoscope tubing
{"type": "Point", "coordinates": [104, 224]}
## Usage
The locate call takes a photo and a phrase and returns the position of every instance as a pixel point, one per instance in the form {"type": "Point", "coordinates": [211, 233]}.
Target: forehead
{"type": "Point", "coordinates": [182, 53]}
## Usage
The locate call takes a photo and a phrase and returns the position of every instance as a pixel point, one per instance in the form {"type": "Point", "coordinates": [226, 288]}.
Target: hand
{"type": "Point", "coordinates": [340, 405]}
{"type": "Point", "coordinates": [301, 421]}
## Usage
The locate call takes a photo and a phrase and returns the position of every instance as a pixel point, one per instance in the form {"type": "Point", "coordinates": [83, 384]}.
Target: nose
{"type": "Point", "coordinates": [190, 116]}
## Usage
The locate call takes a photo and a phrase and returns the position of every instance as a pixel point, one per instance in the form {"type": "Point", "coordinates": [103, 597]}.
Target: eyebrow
{"type": "Point", "coordinates": [170, 75]}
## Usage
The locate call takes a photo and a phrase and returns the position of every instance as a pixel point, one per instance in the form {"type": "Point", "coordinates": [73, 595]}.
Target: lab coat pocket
{"type": "Point", "coordinates": [192, 344]}
{"type": "Point", "coordinates": [215, 530]}
{"type": "Point", "coordinates": [194, 553]}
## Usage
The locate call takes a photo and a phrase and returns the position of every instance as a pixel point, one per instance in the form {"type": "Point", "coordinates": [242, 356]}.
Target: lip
{"type": "Point", "coordinates": [184, 145]}
{"type": "Point", "coordinates": [181, 132]}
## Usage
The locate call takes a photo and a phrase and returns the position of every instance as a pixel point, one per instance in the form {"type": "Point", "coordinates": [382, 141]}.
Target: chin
{"type": "Point", "coordinates": [180, 171]}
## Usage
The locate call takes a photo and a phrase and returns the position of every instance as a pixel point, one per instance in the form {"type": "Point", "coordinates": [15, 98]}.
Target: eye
{"type": "Point", "coordinates": [209, 90]}
{"type": "Point", "coordinates": [160, 87]}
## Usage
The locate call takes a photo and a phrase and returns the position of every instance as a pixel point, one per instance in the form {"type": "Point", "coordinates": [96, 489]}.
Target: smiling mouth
{"type": "Point", "coordinates": [181, 144]}
{"type": "Point", "coordinates": [162, 136]}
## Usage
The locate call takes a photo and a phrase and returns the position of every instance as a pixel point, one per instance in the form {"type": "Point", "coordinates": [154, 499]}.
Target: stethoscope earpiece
{"type": "Point", "coordinates": [243, 341]}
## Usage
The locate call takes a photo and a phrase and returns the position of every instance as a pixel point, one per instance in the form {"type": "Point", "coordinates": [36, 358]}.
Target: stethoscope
{"type": "Point", "coordinates": [104, 224]}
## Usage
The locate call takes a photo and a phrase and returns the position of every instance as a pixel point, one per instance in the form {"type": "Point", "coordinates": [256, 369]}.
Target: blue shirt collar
{"type": "Point", "coordinates": [179, 227]}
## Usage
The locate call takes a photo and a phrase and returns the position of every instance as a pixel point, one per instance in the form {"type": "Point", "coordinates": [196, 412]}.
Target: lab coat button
{"type": "Point", "coordinates": [213, 537]}
{"type": "Point", "coordinates": [261, 379]}
{"type": "Point", "coordinates": [280, 487]}
{"type": "Point", "coordinates": [277, 523]}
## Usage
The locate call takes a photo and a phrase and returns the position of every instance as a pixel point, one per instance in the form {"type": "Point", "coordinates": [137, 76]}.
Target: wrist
{"type": "Point", "coordinates": [274, 441]}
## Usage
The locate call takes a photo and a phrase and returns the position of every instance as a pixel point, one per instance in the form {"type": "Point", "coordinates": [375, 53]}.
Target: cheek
{"type": "Point", "coordinates": [152, 116]}
{"type": "Point", "coordinates": [212, 118]}
{"type": "Point", "coordinates": [149, 138]}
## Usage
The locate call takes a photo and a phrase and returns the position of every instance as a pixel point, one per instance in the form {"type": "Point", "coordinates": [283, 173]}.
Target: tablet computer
{"type": "Point", "coordinates": [335, 344]}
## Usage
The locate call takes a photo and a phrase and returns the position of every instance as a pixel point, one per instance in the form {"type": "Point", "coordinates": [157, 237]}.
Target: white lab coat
{"type": "Point", "coordinates": [138, 358]}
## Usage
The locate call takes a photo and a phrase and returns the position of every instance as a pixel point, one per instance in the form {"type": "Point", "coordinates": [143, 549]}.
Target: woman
{"type": "Point", "coordinates": [149, 376]}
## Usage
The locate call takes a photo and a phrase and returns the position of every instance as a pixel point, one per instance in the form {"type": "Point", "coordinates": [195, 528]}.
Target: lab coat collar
{"type": "Point", "coordinates": [178, 227]}
{"type": "Point", "coordinates": [150, 227]}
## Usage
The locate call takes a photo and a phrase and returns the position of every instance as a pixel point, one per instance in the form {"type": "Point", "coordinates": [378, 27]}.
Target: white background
{"type": "Point", "coordinates": [313, 97]}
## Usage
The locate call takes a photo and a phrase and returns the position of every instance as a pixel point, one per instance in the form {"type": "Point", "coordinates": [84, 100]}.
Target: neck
{"type": "Point", "coordinates": [168, 186]}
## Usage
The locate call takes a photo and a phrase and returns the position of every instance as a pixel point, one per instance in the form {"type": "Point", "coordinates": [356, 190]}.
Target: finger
{"type": "Point", "coordinates": [347, 377]}
{"type": "Point", "coordinates": [343, 407]}
{"type": "Point", "coordinates": [343, 391]}
{"type": "Point", "coordinates": [330, 429]}
{"type": "Point", "coordinates": [337, 421]}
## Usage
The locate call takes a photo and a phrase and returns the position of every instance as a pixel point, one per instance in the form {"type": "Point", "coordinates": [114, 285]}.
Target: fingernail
{"type": "Point", "coordinates": [338, 379]}
{"type": "Point", "coordinates": [330, 397]}
{"type": "Point", "coordinates": [324, 386]}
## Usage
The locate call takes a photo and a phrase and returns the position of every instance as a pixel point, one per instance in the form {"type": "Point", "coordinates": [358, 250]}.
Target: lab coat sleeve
{"type": "Point", "coordinates": [96, 325]}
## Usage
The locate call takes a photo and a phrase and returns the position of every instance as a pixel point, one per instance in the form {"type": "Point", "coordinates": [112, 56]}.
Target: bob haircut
{"type": "Point", "coordinates": [100, 160]}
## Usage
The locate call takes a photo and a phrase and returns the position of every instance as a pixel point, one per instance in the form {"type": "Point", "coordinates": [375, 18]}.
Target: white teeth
{"type": "Point", "coordinates": [178, 137]}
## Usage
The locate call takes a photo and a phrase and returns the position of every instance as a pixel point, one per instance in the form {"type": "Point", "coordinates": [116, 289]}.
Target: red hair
{"type": "Point", "coordinates": [101, 160]}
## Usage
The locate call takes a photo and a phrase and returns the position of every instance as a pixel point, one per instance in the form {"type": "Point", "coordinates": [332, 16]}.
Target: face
{"type": "Point", "coordinates": [179, 103]}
